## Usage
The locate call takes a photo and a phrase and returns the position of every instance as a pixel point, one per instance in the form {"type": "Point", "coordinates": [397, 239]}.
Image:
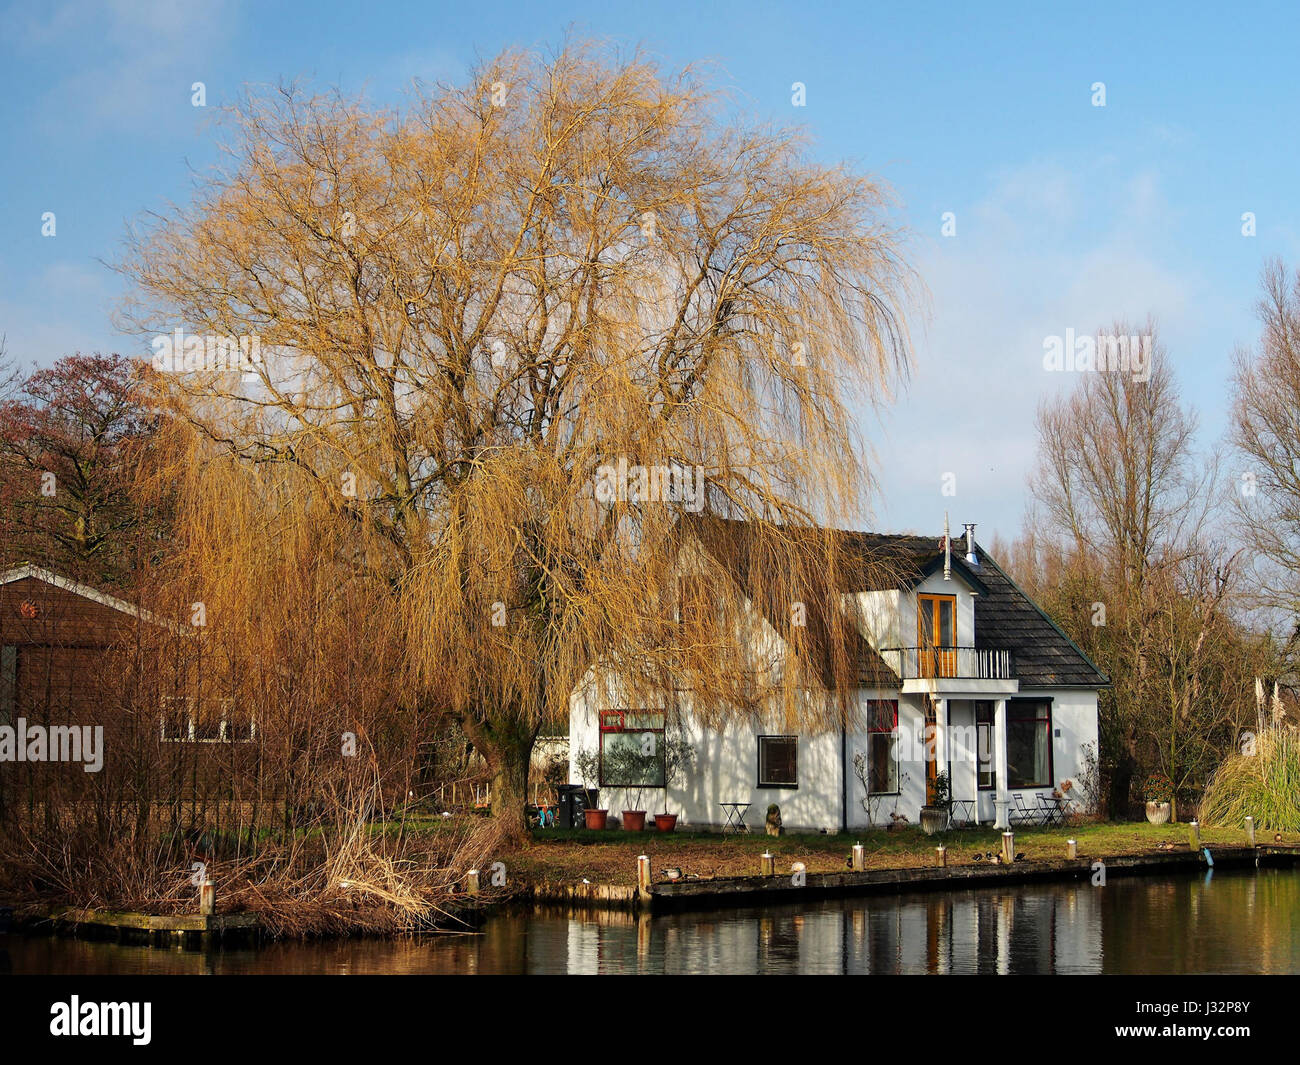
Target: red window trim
{"type": "Point", "coordinates": [871, 719]}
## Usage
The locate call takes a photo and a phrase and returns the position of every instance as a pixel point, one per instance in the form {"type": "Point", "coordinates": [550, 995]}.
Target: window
{"type": "Point", "coordinates": [882, 748]}
{"type": "Point", "coordinates": [218, 722]}
{"type": "Point", "coordinates": [695, 613]}
{"type": "Point", "coordinates": [984, 745]}
{"type": "Point", "coordinates": [176, 719]}
{"type": "Point", "coordinates": [207, 724]}
{"type": "Point", "coordinates": [237, 725]}
{"type": "Point", "coordinates": [8, 682]}
{"type": "Point", "coordinates": [936, 634]}
{"type": "Point", "coordinates": [632, 749]}
{"type": "Point", "coordinates": [1029, 743]}
{"type": "Point", "coordinates": [778, 761]}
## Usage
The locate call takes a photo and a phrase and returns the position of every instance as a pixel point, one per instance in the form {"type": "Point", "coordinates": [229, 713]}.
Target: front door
{"type": "Point", "coordinates": [937, 635]}
{"type": "Point", "coordinates": [931, 740]}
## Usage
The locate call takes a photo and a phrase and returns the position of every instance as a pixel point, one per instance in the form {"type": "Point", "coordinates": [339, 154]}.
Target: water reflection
{"type": "Point", "coordinates": [1230, 922]}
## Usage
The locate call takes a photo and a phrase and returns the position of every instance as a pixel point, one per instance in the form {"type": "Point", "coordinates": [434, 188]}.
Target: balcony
{"type": "Point", "coordinates": [949, 663]}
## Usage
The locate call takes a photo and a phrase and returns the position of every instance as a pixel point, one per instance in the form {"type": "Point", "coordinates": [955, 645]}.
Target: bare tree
{"type": "Point", "coordinates": [1124, 521]}
{"type": "Point", "coordinates": [1266, 434]}
{"type": "Point", "coordinates": [473, 317]}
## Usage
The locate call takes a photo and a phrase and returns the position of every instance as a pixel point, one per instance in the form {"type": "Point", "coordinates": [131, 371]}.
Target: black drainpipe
{"type": "Point", "coordinates": [844, 777]}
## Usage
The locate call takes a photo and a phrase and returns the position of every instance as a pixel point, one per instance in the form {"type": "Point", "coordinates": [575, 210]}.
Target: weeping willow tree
{"type": "Point", "coordinates": [513, 346]}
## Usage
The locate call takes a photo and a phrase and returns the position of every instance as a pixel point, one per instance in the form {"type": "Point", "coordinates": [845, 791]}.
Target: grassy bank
{"type": "Point", "coordinates": [558, 856]}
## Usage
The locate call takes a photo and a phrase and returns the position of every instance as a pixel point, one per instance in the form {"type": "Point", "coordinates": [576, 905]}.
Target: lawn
{"type": "Point", "coordinates": [609, 857]}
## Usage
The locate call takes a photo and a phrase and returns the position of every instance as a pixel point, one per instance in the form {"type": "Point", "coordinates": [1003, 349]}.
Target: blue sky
{"type": "Point", "coordinates": [1067, 215]}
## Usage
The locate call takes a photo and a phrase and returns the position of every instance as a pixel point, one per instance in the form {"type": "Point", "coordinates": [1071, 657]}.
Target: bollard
{"type": "Point", "coordinates": [1008, 848]}
{"type": "Point", "coordinates": [1250, 830]}
{"type": "Point", "coordinates": [207, 898]}
{"type": "Point", "coordinates": [769, 865]}
{"type": "Point", "coordinates": [941, 855]}
{"type": "Point", "coordinates": [643, 875]}
{"type": "Point", "coordinates": [859, 858]}
{"type": "Point", "coordinates": [1194, 834]}
{"type": "Point", "coordinates": [1071, 848]}
{"type": "Point", "coordinates": [471, 882]}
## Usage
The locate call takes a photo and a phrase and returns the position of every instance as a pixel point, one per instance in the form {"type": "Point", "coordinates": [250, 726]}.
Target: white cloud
{"type": "Point", "coordinates": [128, 64]}
{"type": "Point", "coordinates": [1033, 262]}
{"type": "Point", "coordinates": [51, 319]}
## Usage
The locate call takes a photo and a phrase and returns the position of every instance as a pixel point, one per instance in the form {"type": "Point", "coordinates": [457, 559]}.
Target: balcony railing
{"type": "Point", "coordinates": [957, 663]}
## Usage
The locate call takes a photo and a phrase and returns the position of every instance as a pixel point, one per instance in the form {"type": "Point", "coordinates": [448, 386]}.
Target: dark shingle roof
{"type": "Point", "coordinates": [1005, 618]}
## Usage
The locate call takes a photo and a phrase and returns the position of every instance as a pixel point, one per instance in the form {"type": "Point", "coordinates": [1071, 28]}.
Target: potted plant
{"type": "Point", "coordinates": [588, 766]}
{"type": "Point", "coordinates": [678, 754]}
{"type": "Point", "coordinates": [1158, 791]}
{"type": "Point", "coordinates": [935, 814]}
{"type": "Point", "coordinates": [636, 766]}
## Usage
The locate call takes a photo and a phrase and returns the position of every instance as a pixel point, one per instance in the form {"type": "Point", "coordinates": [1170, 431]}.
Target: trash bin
{"type": "Point", "coordinates": [572, 805]}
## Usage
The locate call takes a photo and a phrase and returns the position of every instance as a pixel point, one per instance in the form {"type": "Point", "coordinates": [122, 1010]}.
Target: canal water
{"type": "Point", "coordinates": [1223, 922]}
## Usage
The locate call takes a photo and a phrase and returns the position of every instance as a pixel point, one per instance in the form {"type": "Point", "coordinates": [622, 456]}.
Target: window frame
{"type": "Point", "coordinates": [190, 718]}
{"type": "Point", "coordinates": [763, 739]}
{"type": "Point", "coordinates": [614, 722]}
{"type": "Point", "coordinates": [872, 731]}
{"type": "Point", "coordinates": [1045, 718]}
{"type": "Point", "coordinates": [985, 729]}
{"type": "Point", "coordinates": [933, 599]}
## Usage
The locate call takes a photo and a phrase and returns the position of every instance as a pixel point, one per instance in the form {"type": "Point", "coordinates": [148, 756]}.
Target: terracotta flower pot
{"type": "Point", "coordinates": [633, 820]}
{"type": "Point", "coordinates": [595, 818]}
{"type": "Point", "coordinates": [665, 822]}
{"type": "Point", "coordinates": [1158, 812]}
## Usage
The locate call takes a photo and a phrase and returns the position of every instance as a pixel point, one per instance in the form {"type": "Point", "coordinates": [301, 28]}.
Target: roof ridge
{"type": "Point", "coordinates": [86, 591]}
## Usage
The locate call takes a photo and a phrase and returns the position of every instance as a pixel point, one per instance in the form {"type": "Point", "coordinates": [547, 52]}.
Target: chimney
{"type": "Point", "coordinates": [972, 559]}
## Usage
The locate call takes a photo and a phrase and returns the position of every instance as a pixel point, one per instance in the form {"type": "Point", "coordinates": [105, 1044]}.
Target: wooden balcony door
{"type": "Point", "coordinates": [937, 635]}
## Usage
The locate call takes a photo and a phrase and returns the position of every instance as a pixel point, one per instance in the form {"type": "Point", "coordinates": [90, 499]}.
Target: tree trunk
{"type": "Point", "coordinates": [510, 784]}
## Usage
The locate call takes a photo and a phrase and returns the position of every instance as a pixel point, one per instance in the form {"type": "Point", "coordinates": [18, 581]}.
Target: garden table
{"type": "Point", "coordinates": [963, 811]}
{"type": "Point", "coordinates": [1053, 810]}
{"type": "Point", "coordinates": [735, 812]}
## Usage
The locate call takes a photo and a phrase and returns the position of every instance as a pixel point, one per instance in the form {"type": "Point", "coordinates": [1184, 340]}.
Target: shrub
{"type": "Point", "coordinates": [1264, 785]}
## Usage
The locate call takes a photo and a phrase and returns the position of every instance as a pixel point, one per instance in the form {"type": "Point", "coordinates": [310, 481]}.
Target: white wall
{"type": "Point", "coordinates": [726, 764]}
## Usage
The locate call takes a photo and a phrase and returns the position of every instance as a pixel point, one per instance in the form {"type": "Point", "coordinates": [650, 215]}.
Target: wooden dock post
{"type": "Point", "coordinates": [471, 882]}
{"type": "Point", "coordinates": [1194, 834]}
{"type": "Point", "coordinates": [941, 855]}
{"type": "Point", "coordinates": [769, 865]}
{"type": "Point", "coordinates": [859, 858]}
{"type": "Point", "coordinates": [207, 897]}
{"type": "Point", "coordinates": [1071, 848]}
{"type": "Point", "coordinates": [643, 875]}
{"type": "Point", "coordinates": [1250, 830]}
{"type": "Point", "coordinates": [1008, 847]}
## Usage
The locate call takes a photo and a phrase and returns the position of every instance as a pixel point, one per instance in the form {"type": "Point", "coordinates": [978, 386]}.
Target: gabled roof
{"type": "Point", "coordinates": [27, 570]}
{"type": "Point", "coordinates": [1005, 617]}
{"type": "Point", "coordinates": [733, 544]}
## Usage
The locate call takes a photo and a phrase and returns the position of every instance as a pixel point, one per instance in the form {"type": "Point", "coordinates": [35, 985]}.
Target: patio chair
{"type": "Point", "coordinates": [1022, 813]}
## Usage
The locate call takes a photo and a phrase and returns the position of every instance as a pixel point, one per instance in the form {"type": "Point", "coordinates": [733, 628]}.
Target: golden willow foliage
{"type": "Point", "coordinates": [469, 306]}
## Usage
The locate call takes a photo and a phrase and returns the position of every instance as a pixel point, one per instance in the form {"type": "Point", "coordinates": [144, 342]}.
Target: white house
{"type": "Point", "coordinates": [961, 672]}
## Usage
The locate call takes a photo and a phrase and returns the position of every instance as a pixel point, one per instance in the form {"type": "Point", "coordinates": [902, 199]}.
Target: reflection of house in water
{"type": "Point", "coordinates": [1027, 932]}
